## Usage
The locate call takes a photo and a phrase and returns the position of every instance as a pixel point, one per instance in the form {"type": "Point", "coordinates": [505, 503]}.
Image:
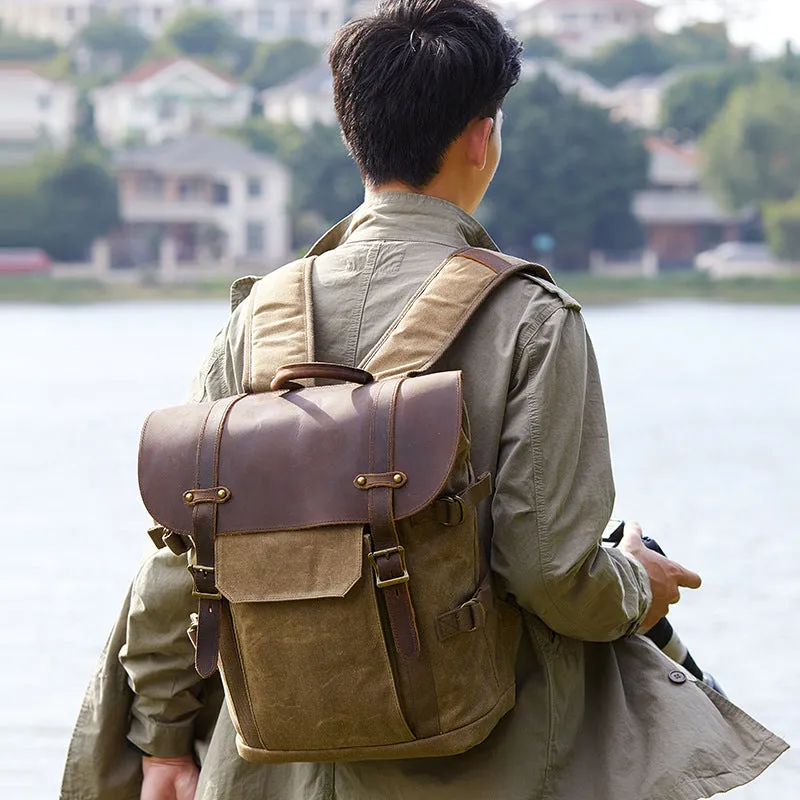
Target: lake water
{"type": "Point", "coordinates": [704, 411]}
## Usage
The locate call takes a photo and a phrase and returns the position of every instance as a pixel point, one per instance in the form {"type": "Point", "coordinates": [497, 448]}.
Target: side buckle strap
{"type": "Point", "coordinates": [467, 618]}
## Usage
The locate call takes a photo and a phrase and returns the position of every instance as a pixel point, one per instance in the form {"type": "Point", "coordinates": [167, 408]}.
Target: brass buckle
{"type": "Point", "coordinates": [478, 612]}
{"type": "Point", "coordinates": [404, 578]}
{"type": "Point", "coordinates": [193, 568]}
{"type": "Point", "coordinates": [462, 509]}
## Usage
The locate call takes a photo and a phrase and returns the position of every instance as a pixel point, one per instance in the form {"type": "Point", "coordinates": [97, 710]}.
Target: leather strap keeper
{"type": "Point", "coordinates": [468, 617]}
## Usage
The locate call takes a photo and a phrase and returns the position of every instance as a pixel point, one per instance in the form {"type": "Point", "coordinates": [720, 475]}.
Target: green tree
{"type": "Point", "coordinates": [276, 62]}
{"type": "Point", "coordinates": [782, 223]}
{"type": "Point", "coordinates": [196, 32]}
{"type": "Point", "coordinates": [112, 43]}
{"type": "Point", "coordinates": [20, 48]}
{"type": "Point", "coordinates": [79, 204]}
{"type": "Point", "coordinates": [567, 171]}
{"type": "Point", "coordinates": [642, 55]}
{"type": "Point", "coordinates": [541, 47]}
{"type": "Point", "coordinates": [701, 43]}
{"type": "Point", "coordinates": [693, 102]}
{"type": "Point", "coordinates": [61, 204]}
{"type": "Point", "coordinates": [751, 153]}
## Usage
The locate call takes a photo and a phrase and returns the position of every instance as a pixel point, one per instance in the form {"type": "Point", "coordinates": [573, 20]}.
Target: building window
{"type": "Point", "coordinates": [324, 18]}
{"type": "Point", "coordinates": [220, 194]}
{"type": "Point", "coordinates": [238, 18]}
{"type": "Point", "coordinates": [149, 185]}
{"type": "Point", "coordinates": [130, 14]}
{"type": "Point", "coordinates": [255, 238]}
{"type": "Point", "coordinates": [570, 18]}
{"type": "Point", "coordinates": [266, 18]}
{"type": "Point", "coordinates": [190, 189]}
{"type": "Point", "coordinates": [69, 13]}
{"type": "Point", "coordinates": [297, 21]}
{"type": "Point", "coordinates": [167, 108]}
{"type": "Point", "coordinates": [254, 187]}
{"type": "Point", "coordinates": [158, 14]}
{"type": "Point", "coordinates": [44, 102]}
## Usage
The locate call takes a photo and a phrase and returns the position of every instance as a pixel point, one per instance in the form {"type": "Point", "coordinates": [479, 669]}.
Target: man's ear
{"type": "Point", "coordinates": [479, 131]}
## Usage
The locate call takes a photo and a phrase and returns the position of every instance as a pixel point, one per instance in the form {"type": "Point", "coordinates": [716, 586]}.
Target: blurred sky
{"type": "Point", "coordinates": [767, 26]}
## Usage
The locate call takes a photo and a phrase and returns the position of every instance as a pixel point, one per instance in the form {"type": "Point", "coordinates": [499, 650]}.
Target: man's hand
{"type": "Point", "coordinates": [666, 577]}
{"type": "Point", "coordinates": [169, 778]}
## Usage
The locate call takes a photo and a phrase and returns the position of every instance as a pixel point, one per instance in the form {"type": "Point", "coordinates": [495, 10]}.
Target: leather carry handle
{"type": "Point", "coordinates": [287, 374]}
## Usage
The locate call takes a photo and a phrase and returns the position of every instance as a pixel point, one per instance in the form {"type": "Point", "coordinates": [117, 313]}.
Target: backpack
{"type": "Point", "coordinates": [343, 586]}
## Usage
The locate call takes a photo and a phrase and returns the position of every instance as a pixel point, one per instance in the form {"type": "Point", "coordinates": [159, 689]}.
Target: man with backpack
{"type": "Point", "coordinates": [598, 712]}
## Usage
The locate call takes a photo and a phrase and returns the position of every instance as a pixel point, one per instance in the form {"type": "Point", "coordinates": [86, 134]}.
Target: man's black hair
{"type": "Point", "coordinates": [410, 78]}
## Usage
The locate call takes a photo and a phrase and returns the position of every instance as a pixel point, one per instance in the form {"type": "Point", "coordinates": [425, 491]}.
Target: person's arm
{"type": "Point", "coordinates": [555, 492]}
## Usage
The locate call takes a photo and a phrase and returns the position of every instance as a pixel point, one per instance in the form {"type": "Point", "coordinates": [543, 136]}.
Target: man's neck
{"type": "Point", "coordinates": [441, 189]}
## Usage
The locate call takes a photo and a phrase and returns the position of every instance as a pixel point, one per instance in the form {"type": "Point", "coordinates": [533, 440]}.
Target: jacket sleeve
{"type": "Point", "coordinates": [555, 492]}
{"type": "Point", "coordinates": [158, 656]}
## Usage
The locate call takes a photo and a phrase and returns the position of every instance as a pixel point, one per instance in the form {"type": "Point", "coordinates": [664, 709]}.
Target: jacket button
{"type": "Point", "coordinates": [677, 677]}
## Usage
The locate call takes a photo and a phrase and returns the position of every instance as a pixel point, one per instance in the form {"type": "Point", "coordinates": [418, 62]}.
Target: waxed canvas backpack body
{"type": "Point", "coordinates": [343, 587]}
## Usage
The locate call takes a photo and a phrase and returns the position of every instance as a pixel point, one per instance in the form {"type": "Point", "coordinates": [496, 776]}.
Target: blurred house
{"type": "Point", "coordinates": [568, 80]}
{"type": "Point", "coordinates": [202, 201]}
{"type": "Point", "coordinates": [162, 100]}
{"type": "Point", "coordinates": [680, 220]}
{"type": "Point", "coordinates": [303, 100]}
{"type": "Point", "coordinates": [582, 27]}
{"type": "Point", "coordinates": [35, 112]}
{"type": "Point", "coordinates": [639, 100]}
{"type": "Point", "coordinates": [314, 20]}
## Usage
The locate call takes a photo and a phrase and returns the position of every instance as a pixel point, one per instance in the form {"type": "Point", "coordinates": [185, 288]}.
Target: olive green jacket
{"type": "Point", "coordinates": [597, 715]}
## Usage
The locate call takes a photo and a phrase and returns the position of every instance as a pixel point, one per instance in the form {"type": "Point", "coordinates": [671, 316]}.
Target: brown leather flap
{"type": "Point", "coordinates": [290, 460]}
{"type": "Point", "coordinates": [289, 565]}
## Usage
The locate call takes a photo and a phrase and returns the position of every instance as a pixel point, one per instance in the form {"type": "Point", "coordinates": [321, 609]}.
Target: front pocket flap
{"type": "Point", "coordinates": [289, 565]}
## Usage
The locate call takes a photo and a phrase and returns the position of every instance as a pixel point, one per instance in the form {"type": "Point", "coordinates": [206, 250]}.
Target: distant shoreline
{"type": "Point", "coordinates": [587, 289]}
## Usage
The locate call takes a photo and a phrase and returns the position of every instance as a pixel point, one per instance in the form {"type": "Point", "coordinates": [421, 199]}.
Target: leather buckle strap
{"type": "Point", "coordinates": [468, 617]}
{"type": "Point", "coordinates": [205, 504]}
{"type": "Point", "coordinates": [205, 586]}
{"type": "Point", "coordinates": [386, 563]}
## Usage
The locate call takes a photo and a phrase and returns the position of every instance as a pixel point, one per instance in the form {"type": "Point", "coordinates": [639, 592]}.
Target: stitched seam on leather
{"type": "Point", "coordinates": [200, 439]}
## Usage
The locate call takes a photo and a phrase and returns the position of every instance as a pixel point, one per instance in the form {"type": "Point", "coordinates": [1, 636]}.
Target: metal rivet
{"type": "Point", "coordinates": [188, 497]}
{"type": "Point", "coordinates": [677, 677]}
{"type": "Point", "coordinates": [222, 493]}
{"type": "Point", "coordinates": [361, 480]}
{"type": "Point", "coordinates": [398, 478]}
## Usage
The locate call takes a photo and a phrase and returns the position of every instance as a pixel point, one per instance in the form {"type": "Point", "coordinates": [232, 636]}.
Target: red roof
{"type": "Point", "coordinates": [18, 66]}
{"type": "Point", "coordinates": [684, 152]}
{"type": "Point", "coordinates": [150, 68]}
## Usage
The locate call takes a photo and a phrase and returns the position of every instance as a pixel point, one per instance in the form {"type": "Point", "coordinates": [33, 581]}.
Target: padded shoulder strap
{"type": "Point", "coordinates": [450, 296]}
{"type": "Point", "coordinates": [280, 328]}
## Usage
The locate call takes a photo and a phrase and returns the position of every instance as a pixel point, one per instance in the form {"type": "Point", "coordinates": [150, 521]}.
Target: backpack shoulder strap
{"type": "Point", "coordinates": [450, 295]}
{"type": "Point", "coordinates": [280, 326]}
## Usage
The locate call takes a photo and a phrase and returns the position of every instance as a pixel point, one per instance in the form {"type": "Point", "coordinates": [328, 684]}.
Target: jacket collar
{"type": "Point", "coordinates": [406, 217]}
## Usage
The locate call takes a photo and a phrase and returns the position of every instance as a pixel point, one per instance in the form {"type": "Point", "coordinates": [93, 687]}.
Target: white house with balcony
{"type": "Point", "coordinates": [313, 20]}
{"type": "Point", "coordinates": [162, 100]}
{"type": "Point", "coordinates": [582, 27]}
{"type": "Point", "coordinates": [201, 201]}
{"type": "Point", "coordinates": [35, 112]}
